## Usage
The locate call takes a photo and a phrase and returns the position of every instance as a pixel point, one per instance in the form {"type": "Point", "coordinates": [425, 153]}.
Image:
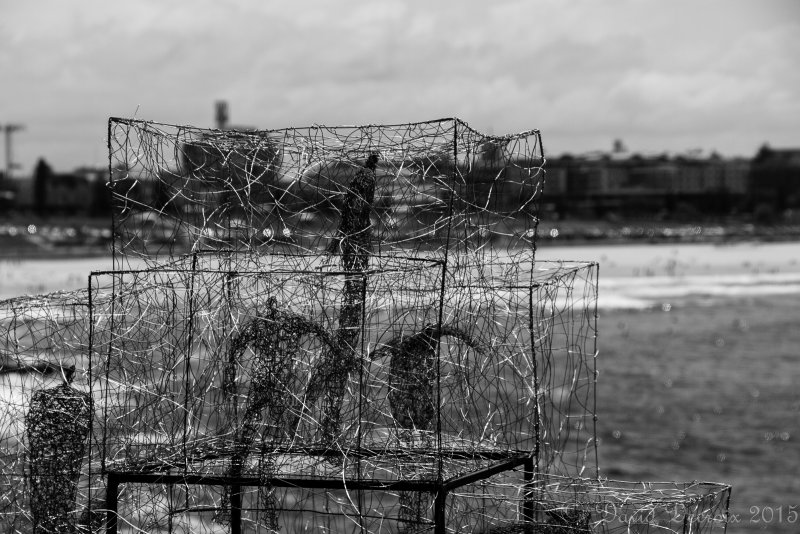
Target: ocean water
{"type": "Point", "coordinates": [699, 359]}
{"type": "Point", "coordinates": [706, 392]}
{"type": "Point", "coordinates": [636, 276]}
{"type": "Point", "coordinates": [640, 277]}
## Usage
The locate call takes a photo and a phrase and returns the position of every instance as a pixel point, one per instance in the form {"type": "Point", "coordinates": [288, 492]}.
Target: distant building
{"type": "Point", "coordinates": [775, 178]}
{"type": "Point", "coordinates": [92, 174]}
{"type": "Point", "coordinates": [69, 193]}
{"type": "Point", "coordinates": [736, 175]}
{"type": "Point", "coordinates": [64, 193]}
{"type": "Point", "coordinates": [620, 183]}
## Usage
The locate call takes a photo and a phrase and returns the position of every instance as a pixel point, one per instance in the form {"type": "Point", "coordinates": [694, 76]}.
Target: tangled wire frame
{"type": "Point", "coordinates": [334, 329]}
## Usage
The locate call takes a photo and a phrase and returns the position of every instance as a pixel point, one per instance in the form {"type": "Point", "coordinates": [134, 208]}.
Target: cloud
{"type": "Point", "coordinates": [584, 72]}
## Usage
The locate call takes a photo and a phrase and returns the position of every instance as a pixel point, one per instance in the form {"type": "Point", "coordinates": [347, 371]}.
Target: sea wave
{"type": "Point", "coordinates": [661, 291]}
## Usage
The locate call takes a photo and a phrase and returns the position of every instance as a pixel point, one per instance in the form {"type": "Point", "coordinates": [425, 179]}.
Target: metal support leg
{"type": "Point", "coordinates": [439, 512]}
{"type": "Point", "coordinates": [236, 510]}
{"type": "Point", "coordinates": [112, 498]}
{"type": "Point", "coordinates": [527, 503]}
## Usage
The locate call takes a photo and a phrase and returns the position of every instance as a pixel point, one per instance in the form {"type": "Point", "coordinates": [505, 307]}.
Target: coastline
{"type": "Point", "coordinates": [567, 234]}
{"type": "Point", "coordinates": [631, 275]}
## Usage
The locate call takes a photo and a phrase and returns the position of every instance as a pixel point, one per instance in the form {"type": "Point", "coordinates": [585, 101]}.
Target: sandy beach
{"type": "Point", "coordinates": [630, 275]}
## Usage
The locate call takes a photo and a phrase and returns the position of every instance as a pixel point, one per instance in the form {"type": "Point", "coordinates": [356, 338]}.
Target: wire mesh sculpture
{"type": "Point", "coordinates": [336, 329]}
{"type": "Point", "coordinates": [58, 425]}
{"type": "Point", "coordinates": [275, 337]}
{"type": "Point", "coordinates": [439, 185]}
{"type": "Point", "coordinates": [575, 504]}
{"type": "Point", "coordinates": [412, 396]}
{"type": "Point", "coordinates": [40, 336]}
{"type": "Point", "coordinates": [412, 374]}
{"type": "Point", "coordinates": [476, 405]}
{"type": "Point", "coordinates": [353, 240]}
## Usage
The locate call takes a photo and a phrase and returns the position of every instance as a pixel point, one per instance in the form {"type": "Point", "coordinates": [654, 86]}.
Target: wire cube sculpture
{"type": "Point", "coordinates": [438, 185]}
{"type": "Point", "coordinates": [581, 505]}
{"type": "Point", "coordinates": [211, 375]}
{"type": "Point", "coordinates": [332, 329]}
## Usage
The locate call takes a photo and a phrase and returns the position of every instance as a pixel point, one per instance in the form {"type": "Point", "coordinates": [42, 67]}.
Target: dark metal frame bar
{"type": "Point", "coordinates": [439, 489]}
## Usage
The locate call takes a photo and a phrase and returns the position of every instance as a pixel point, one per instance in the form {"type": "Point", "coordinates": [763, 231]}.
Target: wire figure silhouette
{"type": "Point", "coordinates": [413, 377]}
{"type": "Point", "coordinates": [276, 339]}
{"type": "Point", "coordinates": [353, 241]}
{"type": "Point", "coordinates": [58, 425]}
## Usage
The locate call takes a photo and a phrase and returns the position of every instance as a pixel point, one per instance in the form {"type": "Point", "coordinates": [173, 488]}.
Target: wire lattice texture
{"type": "Point", "coordinates": [210, 371]}
{"type": "Point", "coordinates": [438, 185]}
{"type": "Point", "coordinates": [360, 303]}
{"type": "Point", "coordinates": [572, 505]}
{"type": "Point", "coordinates": [44, 418]}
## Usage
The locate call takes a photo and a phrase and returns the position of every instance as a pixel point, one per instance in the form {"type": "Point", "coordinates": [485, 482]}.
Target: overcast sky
{"type": "Point", "coordinates": [663, 75]}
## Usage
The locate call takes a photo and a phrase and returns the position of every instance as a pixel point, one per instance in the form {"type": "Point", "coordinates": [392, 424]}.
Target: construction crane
{"type": "Point", "coordinates": [9, 129]}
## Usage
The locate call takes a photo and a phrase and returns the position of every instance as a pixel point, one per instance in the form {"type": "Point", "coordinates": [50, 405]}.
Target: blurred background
{"type": "Point", "coordinates": [673, 159]}
{"type": "Point", "coordinates": [660, 121]}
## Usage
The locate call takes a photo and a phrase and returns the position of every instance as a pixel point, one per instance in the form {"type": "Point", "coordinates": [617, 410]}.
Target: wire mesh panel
{"type": "Point", "coordinates": [204, 354]}
{"type": "Point", "coordinates": [590, 505]}
{"type": "Point", "coordinates": [45, 412]}
{"type": "Point", "coordinates": [254, 374]}
{"type": "Point", "coordinates": [251, 374]}
{"type": "Point", "coordinates": [434, 184]}
{"type": "Point", "coordinates": [537, 321]}
{"type": "Point", "coordinates": [335, 329]}
{"type": "Point", "coordinates": [44, 330]}
{"type": "Point", "coordinates": [611, 506]}
{"type": "Point", "coordinates": [187, 508]}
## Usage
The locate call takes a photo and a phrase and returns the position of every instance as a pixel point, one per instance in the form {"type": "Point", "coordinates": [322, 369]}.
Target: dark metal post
{"type": "Point", "coordinates": [439, 512]}
{"type": "Point", "coordinates": [112, 496]}
{"type": "Point", "coordinates": [236, 509]}
{"type": "Point", "coordinates": [536, 414]}
{"type": "Point", "coordinates": [527, 503]}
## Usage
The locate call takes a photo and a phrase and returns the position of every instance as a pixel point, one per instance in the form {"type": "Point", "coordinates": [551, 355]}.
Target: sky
{"type": "Point", "coordinates": [661, 75]}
